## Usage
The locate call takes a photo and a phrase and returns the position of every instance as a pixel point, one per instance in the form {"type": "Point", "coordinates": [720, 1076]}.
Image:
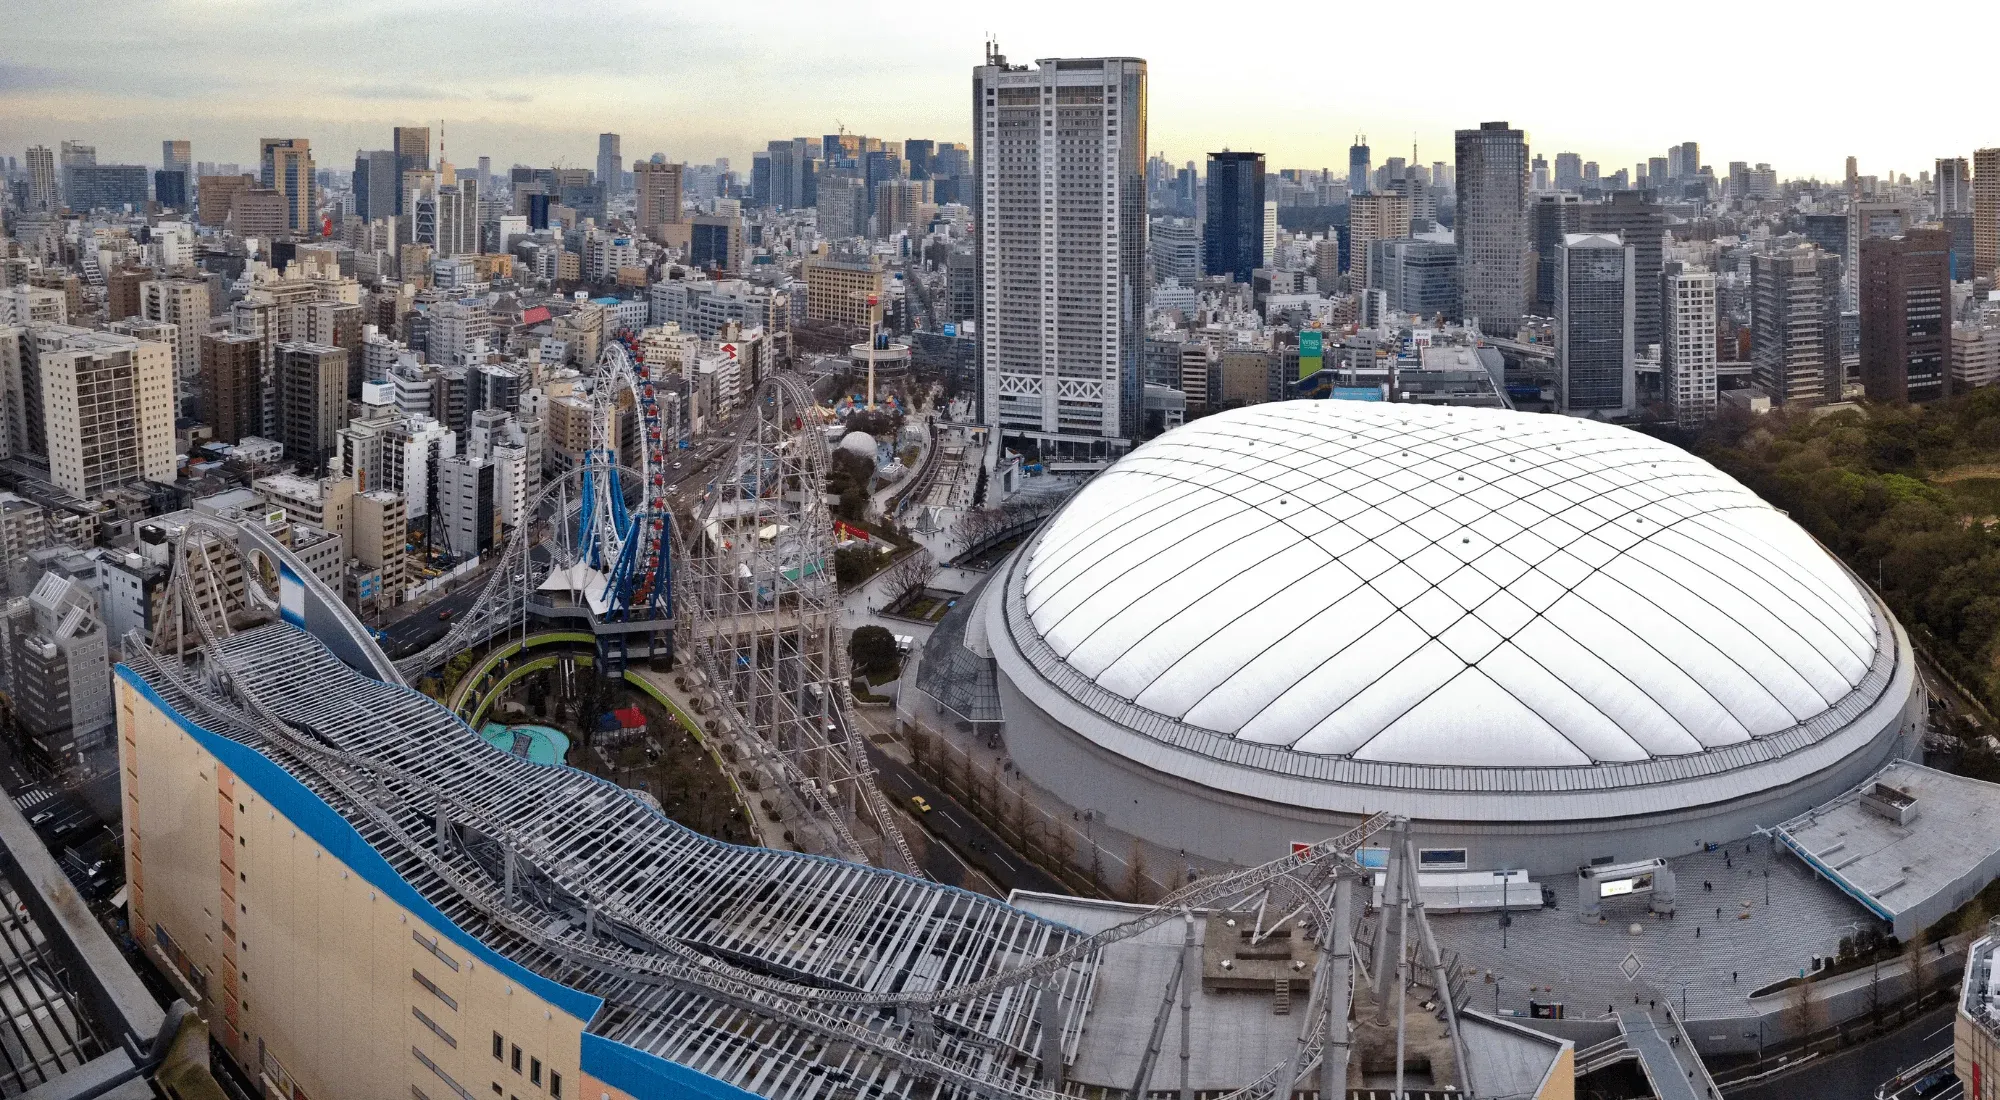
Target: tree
{"type": "Point", "coordinates": [907, 577]}
{"type": "Point", "coordinates": [1138, 886]}
{"type": "Point", "coordinates": [1803, 1014]}
{"type": "Point", "coordinates": [872, 649]}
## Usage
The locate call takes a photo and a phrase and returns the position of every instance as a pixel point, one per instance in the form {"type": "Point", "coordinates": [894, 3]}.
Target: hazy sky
{"type": "Point", "coordinates": [1756, 80]}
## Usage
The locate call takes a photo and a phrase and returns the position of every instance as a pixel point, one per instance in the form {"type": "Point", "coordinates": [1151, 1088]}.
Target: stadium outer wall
{"type": "Point", "coordinates": [1144, 787]}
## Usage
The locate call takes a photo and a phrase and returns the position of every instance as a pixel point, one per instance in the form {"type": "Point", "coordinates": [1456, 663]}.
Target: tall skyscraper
{"type": "Point", "coordinates": [1795, 325]}
{"type": "Point", "coordinates": [610, 165]}
{"type": "Point", "coordinates": [376, 180]}
{"type": "Point", "coordinates": [1687, 342]}
{"type": "Point", "coordinates": [1864, 221]}
{"type": "Point", "coordinates": [1062, 240]}
{"type": "Point", "coordinates": [1360, 169]}
{"type": "Point", "coordinates": [176, 155]}
{"type": "Point", "coordinates": [412, 145]}
{"type": "Point", "coordinates": [1553, 217]}
{"type": "Point", "coordinates": [1538, 172]}
{"type": "Point", "coordinates": [1232, 241]}
{"type": "Point", "coordinates": [1906, 316]}
{"type": "Point", "coordinates": [1985, 212]}
{"type": "Point", "coordinates": [658, 187]}
{"type": "Point", "coordinates": [1595, 367]}
{"type": "Point", "coordinates": [1642, 225]}
{"type": "Point", "coordinates": [1569, 173]}
{"type": "Point", "coordinates": [1492, 227]}
{"type": "Point", "coordinates": [787, 165]}
{"type": "Point", "coordinates": [42, 189]}
{"type": "Point", "coordinates": [286, 165]}
{"type": "Point", "coordinates": [1954, 186]}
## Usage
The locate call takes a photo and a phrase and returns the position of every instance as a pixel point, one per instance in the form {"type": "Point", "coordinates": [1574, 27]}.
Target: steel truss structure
{"type": "Point", "coordinates": [615, 536]}
{"type": "Point", "coordinates": [792, 976]}
{"type": "Point", "coordinates": [758, 574]}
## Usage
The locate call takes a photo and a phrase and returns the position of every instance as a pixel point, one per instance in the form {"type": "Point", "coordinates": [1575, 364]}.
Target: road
{"type": "Point", "coordinates": [954, 825]}
{"type": "Point", "coordinates": [1855, 1073]}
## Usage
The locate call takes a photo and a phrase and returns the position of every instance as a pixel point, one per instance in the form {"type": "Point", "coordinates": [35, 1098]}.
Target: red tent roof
{"type": "Point", "coordinates": [630, 718]}
{"type": "Point", "coordinates": [536, 316]}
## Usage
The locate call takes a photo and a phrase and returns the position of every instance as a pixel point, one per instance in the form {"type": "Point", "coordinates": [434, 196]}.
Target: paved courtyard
{"type": "Point", "coordinates": [1752, 943]}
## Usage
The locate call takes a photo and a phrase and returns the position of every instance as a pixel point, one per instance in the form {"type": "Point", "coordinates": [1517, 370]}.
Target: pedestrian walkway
{"type": "Point", "coordinates": [1671, 1065]}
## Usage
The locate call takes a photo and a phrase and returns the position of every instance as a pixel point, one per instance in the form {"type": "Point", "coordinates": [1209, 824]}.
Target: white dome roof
{"type": "Point", "coordinates": [1410, 584]}
{"type": "Point", "coordinates": [860, 443]}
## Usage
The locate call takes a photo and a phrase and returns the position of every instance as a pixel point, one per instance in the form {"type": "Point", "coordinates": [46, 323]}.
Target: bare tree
{"type": "Point", "coordinates": [1803, 1014]}
{"type": "Point", "coordinates": [907, 577]}
{"type": "Point", "coordinates": [1138, 886]}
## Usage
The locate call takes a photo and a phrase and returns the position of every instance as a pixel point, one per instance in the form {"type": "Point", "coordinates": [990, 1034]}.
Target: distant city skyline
{"type": "Point", "coordinates": [529, 84]}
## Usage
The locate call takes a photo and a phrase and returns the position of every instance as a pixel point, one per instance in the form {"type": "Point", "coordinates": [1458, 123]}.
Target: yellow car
{"type": "Point", "coordinates": [923, 806]}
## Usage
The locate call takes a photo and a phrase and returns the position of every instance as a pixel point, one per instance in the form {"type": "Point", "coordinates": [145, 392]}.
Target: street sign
{"type": "Point", "coordinates": [1631, 966]}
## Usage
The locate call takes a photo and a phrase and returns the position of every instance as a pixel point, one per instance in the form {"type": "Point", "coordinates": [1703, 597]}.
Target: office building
{"type": "Point", "coordinates": [1985, 213]}
{"type": "Point", "coordinates": [1642, 225]}
{"type": "Point", "coordinates": [1866, 220]}
{"type": "Point", "coordinates": [58, 669]}
{"type": "Point", "coordinates": [610, 165]}
{"type": "Point", "coordinates": [1795, 325]}
{"type": "Point", "coordinates": [839, 290]}
{"type": "Point", "coordinates": [232, 390]}
{"type": "Point", "coordinates": [176, 155]}
{"type": "Point", "coordinates": [1360, 168]}
{"type": "Point", "coordinates": [1233, 235]}
{"type": "Point", "coordinates": [1906, 316]}
{"type": "Point", "coordinates": [1953, 180]}
{"type": "Point", "coordinates": [170, 188]}
{"type": "Point", "coordinates": [1177, 250]}
{"type": "Point", "coordinates": [1569, 174]}
{"type": "Point", "coordinates": [1975, 356]}
{"type": "Point", "coordinates": [98, 406]}
{"type": "Point", "coordinates": [107, 187]}
{"type": "Point", "coordinates": [43, 193]}
{"type": "Point", "coordinates": [1419, 276]}
{"type": "Point", "coordinates": [1553, 217]}
{"type": "Point", "coordinates": [1687, 343]}
{"type": "Point", "coordinates": [787, 163]}
{"type": "Point", "coordinates": [378, 535]}
{"type": "Point", "coordinates": [412, 146]}
{"type": "Point", "coordinates": [658, 188]}
{"type": "Point", "coordinates": [312, 400]}
{"type": "Point", "coordinates": [901, 206]}
{"type": "Point", "coordinates": [842, 207]}
{"type": "Point", "coordinates": [286, 166]}
{"type": "Point", "coordinates": [1494, 261]}
{"type": "Point", "coordinates": [215, 198]}
{"type": "Point", "coordinates": [376, 179]}
{"type": "Point", "coordinates": [1595, 366]}
{"type": "Point", "coordinates": [469, 524]}
{"type": "Point", "coordinates": [1378, 216]}
{"type": "Point", "coordinates": [1061, 325]}
{"type": "Point", "coordinates": [715, 243]}
{"type": "Point", "coordinates": [184, 304]}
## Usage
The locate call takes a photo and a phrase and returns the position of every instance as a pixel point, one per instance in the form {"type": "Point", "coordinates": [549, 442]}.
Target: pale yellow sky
{"type": "Point", "coordinates": [535, 82]}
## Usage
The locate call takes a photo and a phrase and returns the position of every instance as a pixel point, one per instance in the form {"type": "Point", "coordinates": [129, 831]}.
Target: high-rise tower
{"type": "Point", "coordinates": [1233, 235]}
{"type": "Point", "coordinates": [1492, 229]}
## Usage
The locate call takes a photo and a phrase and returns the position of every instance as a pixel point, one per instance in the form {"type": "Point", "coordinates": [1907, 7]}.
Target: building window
{"type": "Point", "coordinates": [499, 1048]}
{"type": "Point", "coordinates": [534, 1071]}
{"type": "Point", "coordinates": [517, 1059]}
{"type": "Point", "coordinates": [435, 991]}
{"type": "Point", "coordinates": [555, 1085]}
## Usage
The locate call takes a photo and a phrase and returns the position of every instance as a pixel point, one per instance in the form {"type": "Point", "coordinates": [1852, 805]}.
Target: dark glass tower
{"type": "Point", "coordinates": [1232, 242]}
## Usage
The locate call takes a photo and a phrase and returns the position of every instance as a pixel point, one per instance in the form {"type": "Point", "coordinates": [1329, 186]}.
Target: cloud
{"type": "Point", "coordinates": [400, 91]}
{"type": "Point", "coordinates": [34, 78]}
